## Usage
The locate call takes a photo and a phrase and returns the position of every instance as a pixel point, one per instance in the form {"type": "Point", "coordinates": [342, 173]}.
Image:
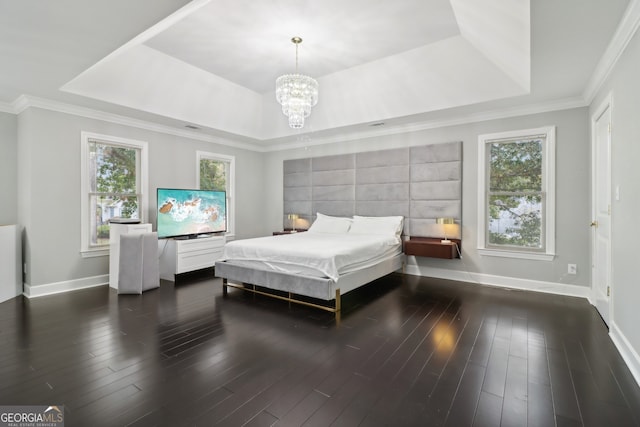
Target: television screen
{"type": "Point", "coordinates": [190, 212]}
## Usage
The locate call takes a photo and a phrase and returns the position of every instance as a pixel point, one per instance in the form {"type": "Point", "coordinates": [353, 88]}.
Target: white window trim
{"type": "Point", "coordinates": [231, 222]}
{"type": "Point", "coordinates": [549, 182]}
{"type": "Point", "coordinates": [85, 249]}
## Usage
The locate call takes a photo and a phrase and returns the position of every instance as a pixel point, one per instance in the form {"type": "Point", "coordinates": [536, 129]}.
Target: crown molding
{"type": "Point", "coordinates": [462, 119]}
{"type": "Point", "coordinates": [624, 33]}
{"type": "Point", "coordinates": [24, 102]}
{"type": "Point", "coordinates": [21, 103]}
{"type": "Point", "coordinates": [6, 107]}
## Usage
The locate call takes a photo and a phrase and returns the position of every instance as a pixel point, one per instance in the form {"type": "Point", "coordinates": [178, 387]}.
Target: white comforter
{"type": "Point", "coordinates": [318, 254]}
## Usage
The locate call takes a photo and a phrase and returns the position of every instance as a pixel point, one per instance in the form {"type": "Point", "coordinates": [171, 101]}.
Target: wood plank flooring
{"type": "Point", "coordinates": [409, 351]}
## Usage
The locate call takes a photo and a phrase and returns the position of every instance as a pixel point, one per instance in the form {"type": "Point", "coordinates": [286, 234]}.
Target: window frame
{"type": "Point", "coordinates": [86, 249]}
{"type": "Point", "coordinates": [547, 190]}
{"type": "Point", "coordinates": [231, 184]}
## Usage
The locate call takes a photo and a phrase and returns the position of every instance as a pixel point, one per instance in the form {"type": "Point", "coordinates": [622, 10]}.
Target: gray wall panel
{"type": "Point", "coordinates": [446, 171]}
{"type": "Point", "coordinates": [382, 174]}
{"type": "Point", "coordinates": [397, 156]}
{"type": "Point", "coordinates": [394, 191]}
{"type": "Point", "coordinates": [435, 209]}
{"type": "Point", "coordinates": [433, 153]}
{"type": "Point", "coordinates": [335, 177]}
{"type": "Point", "coordinates": [328, 163]}
{"type": "Point", "coordinates": [382, 208]}
{"type": "Point", "coordinates": [333, 192]}
{"type": "Point", "coordinates": [297, 194]}
{"type": "Point", "coordinates": [420, 183]}
{"type": "Point", "coordinates": [340, 208]}
{"type": "Point", "coordinates": [297, 165]}
{"type": "Point", "coordinates": [302, 179]}
{"type": "Point", "coordinates": [441, 190]}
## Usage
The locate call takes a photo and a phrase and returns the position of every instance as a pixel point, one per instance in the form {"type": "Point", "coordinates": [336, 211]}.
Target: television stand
{"type": "Point", "coordinates": [179, 256]}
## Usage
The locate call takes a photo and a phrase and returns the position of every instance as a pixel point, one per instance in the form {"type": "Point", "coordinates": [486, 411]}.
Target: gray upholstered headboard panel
{"type": "Point", "coordinates": [420, 183]}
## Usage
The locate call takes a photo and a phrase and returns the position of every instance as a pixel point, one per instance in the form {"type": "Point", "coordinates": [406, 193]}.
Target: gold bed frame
{"type": "Point", "coordinates": [289, 298]}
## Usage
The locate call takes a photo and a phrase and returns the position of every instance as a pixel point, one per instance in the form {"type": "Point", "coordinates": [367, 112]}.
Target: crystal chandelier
{"type": "Point", "coordinates": [296, 93]}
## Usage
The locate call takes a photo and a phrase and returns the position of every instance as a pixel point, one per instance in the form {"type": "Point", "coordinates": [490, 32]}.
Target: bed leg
{"type": "Point", "coordinates": [224, 287]}
{"type": "Point", "coordinates": [338, 306]}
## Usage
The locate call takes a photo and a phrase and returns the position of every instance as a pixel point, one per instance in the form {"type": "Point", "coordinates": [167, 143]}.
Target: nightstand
{"type": "Point", "coordinates": [432, 247]}
{"type": "Point", "coordinates": [288, 231]}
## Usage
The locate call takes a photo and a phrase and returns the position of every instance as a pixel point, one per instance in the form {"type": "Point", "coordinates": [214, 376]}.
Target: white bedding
{"type": "Point", "coordinates": [313, 254]}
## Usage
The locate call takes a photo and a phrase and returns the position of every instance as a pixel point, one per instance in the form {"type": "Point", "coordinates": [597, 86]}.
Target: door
{"type": "Point", "coordinates": [601, 225]}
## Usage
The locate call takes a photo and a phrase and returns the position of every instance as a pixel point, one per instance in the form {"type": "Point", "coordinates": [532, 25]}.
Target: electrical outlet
{"type": "Point", "coordinates": [572, 269]}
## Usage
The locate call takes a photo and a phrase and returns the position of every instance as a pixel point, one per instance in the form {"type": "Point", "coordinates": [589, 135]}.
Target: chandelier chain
{"type": "Point", "coordinates": [296, 40]}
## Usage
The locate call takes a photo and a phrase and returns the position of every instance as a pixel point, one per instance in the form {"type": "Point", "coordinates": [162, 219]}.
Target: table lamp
{"type": "Point", "coordinates": [292, 220]}
{"type": "Point", "coordinates": [445, 222]}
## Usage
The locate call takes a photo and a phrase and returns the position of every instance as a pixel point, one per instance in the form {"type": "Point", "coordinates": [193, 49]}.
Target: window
{"type": "Point", "coordinates": [516, 203]}
{"type": "Point", "coordinates": [217, 172]}
{"type": "Point", "coordinates": [114, 182]}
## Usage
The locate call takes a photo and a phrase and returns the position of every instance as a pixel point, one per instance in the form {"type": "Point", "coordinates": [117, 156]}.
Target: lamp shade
{"type": "Point", "coordinates": [292, 221]}
{"type": "Point", "coordinates": [445, 220]}
{"type": "Point", "coordinates": [447, 224]}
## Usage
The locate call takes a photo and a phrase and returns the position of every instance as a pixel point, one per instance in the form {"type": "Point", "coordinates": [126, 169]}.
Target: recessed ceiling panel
{"type": "Point", "coordinates": [248, 42]}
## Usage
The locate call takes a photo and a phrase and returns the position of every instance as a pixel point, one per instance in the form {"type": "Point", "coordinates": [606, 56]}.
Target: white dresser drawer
{"type": "Point", "coordinates": [182, 256]}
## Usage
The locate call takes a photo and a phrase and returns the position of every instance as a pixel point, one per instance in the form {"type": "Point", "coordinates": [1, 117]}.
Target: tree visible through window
{"type": "Point", "coordinates": [516, 207]}
{"type": "Point", "coordinates": [113, 184]}
{"type": "Point", "coordinates": [213, 175]}
{"type": "Point", "coordinates": [113, 188]}
{"type": "Point", "coordinates": [515, 193]}
{"type": "Point", "coordinates": [216, 172]}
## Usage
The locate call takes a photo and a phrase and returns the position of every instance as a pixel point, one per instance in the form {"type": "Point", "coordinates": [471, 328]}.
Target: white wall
{"type": "Point", "coordinates": [624, 86]}
{"type": "Point", "coordinates": [8, 169]}
{"type": "Point", "coordinates": [572, 201]}
{"type": "Point", "coordinates": [49, 189]}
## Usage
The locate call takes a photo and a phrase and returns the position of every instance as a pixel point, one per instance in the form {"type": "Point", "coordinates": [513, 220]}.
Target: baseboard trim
{"type": "Point", "coordinates": [629, 355]}
{"type": "Point", "coordinates": [415, 270]}
{"type": "Point", "coordinates": [65, 286]}
{"type": "Point", "coordinates": [500, 281]}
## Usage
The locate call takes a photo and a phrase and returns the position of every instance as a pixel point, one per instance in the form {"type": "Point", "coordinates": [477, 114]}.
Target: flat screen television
{"type": "Point", "coordinates": [186, 213]}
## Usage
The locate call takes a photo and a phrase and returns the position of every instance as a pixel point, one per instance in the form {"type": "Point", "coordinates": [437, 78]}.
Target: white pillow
{"type": "Point", "coordinates": [380, 225]}
{"type": "Point", "coordinates": [330, 224]}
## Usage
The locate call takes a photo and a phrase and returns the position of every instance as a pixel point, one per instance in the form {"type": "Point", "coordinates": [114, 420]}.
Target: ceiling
{"type": "Point", "coordinates": [212, 64]}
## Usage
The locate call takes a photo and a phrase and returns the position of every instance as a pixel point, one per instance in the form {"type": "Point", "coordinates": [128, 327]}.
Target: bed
{"type": "Point", "coordinates": [336, 255]}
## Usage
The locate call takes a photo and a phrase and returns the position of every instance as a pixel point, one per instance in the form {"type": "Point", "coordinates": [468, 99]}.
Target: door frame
{"type": "Point", "coordinates": [607, 103]}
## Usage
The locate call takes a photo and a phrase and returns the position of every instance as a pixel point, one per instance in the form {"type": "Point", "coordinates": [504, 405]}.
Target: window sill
{"type": "Point", "coordinates": [518, 255]}
{"type": "Point", "coordinates": [93, 253]}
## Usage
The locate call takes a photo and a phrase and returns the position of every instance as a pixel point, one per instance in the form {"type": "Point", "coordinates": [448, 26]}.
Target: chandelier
{"type": "Point", "coordinates": [296, 93]}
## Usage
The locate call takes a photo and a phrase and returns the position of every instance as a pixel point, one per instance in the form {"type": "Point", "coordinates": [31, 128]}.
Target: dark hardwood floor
{"type": "Point", "coordinates": [409, 351]}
